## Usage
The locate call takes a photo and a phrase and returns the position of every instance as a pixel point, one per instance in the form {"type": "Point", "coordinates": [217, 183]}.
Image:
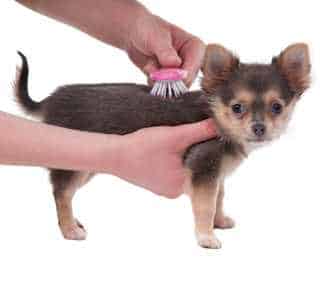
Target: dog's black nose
{"type": "Point", "coordinates": [259, 129]}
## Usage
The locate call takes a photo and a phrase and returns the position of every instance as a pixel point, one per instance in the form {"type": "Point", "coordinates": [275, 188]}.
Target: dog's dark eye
{"type": "Point", "coordinates": [276, 108]}
{"type": "Point", "coordinates": [238, 109]}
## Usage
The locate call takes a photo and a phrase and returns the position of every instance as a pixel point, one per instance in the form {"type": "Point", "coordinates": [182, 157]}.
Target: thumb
{"type": "Point", "coordinates": [165, 53]}
{"type": "Point", "coordinates": [190, 134]}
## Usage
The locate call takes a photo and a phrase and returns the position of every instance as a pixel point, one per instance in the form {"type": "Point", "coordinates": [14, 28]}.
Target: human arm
{"type": "Point", "coordinates": [150, 158]}
{"type": "Point", "coordinates": [149, 41]}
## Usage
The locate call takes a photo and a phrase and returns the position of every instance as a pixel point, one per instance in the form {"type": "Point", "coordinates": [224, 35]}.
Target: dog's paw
{"type": "Point", "coordinates": [73, 231]}
{"type": "Point", "coordinates": [224, 222]}
{"type": "Point", "coordinates": [208, 241]}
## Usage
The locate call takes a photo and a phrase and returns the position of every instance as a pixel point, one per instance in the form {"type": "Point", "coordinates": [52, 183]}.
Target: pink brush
{"type": "Point", "coordinates": [168, 83]}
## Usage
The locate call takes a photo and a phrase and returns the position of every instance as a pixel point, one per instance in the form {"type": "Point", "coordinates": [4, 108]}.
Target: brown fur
{"type": "Point", "coordinates": [218, 65]}
{"type": "Point", "coordinates": [296, 72]}
{"type": "Point", "coordinates": [125, 108]}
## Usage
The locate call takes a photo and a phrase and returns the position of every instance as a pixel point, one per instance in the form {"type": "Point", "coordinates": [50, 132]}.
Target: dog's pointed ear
{"type": "Point", "coordinates": [217, 66]}
{"type": "Point", "coordinates": [294, 64]}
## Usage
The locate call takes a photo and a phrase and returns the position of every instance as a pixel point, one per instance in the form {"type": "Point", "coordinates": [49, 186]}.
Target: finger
{"type": "Point", "coordinates": [190, 134]}
{"type": "Point", "coordinates": [145, 63]}
{"type": "Point", "coordinates": [163, 49]}
{"type": "Point", "coordinates": [151, 66]}
{"type": "Point", "coordinates": [167, 56]}
{"type": "Point", "coordinates": [192, 54]}
{"type": "Point", "coordinates": [138, 58]}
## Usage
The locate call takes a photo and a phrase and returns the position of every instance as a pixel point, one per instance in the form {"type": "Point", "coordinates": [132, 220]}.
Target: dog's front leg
{"type": "Point", "coordinates": [203, 199]}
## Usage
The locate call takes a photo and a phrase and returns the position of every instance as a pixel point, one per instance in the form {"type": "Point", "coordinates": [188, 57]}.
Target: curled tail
{"type": "Point", "coordinates": [21, 89]}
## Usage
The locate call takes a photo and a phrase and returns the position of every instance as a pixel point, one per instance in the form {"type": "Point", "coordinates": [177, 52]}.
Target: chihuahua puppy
{"type": "Point", "coordinates": [250, 104]}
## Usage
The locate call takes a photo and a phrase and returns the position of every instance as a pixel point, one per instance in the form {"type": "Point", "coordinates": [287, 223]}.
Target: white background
{"type": "Point", "coordinates": [133, 235]}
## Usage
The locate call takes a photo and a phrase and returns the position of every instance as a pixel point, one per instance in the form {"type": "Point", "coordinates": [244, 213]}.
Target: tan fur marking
{"type": "Point", "coordinates": [272, 95]}
{"type": "Point", "coordinates": [230, 164]}
{"type": "Point", "coordinates": [232, 126]}
{"type": "Point", "coordinates": [276, 124]}
{"type": "Point", "coordinates": [221, 220]}
{"type": "Point", "coordinates": [70, 227]}
{"type": "Point", "coordinates": [243, 96]}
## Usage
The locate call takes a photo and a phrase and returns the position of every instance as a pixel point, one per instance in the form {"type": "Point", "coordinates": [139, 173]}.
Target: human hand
{"type": "Point", "coordinates": [154, 43]}
{"type": "Point", "coordinates": [152, 157]}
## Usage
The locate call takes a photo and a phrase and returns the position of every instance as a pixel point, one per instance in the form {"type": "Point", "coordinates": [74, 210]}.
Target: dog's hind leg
{"type": "Point", "coordinates": [65, 184]}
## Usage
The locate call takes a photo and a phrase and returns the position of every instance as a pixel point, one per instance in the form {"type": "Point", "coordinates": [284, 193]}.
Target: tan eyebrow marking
{"type": "Point", "coordinates": [244, 96]}
{"type": "Point", "coordinates": [272, 95]}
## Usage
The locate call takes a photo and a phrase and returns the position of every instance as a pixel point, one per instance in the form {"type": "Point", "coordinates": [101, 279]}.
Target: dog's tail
{"type": "Point", "coordinates": [21, 89]}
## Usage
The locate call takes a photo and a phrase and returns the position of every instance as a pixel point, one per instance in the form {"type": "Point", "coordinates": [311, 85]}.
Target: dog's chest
{"type": "Point", "coordinates": [229, 164]}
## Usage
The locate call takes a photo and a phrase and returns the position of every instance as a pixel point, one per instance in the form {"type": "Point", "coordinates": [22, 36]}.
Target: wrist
{"type": "Point", "coordinates": [107, 154]}
{"type": "Point", "coordinates": [118, 152]}
{"type": "Point", "coordinates": [133, 22]}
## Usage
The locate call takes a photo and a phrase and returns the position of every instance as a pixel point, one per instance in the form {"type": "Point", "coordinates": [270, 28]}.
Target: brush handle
{"type": "Point", "coordinates": [172, 74]}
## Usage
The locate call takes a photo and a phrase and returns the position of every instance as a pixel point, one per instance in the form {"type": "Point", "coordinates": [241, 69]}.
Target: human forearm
{"type": "Point", "coordinates": [24, 142]}
{"type": "Point", "coordinates": [150, 157]}
{"type": "Point", "coordinates": [106, 20]}
{"type": "Point", "coordinates": [150, 42]}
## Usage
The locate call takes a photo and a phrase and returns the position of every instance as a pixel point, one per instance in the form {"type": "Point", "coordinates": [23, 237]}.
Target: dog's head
{"type": "Point", "coordinates": [252, 103]}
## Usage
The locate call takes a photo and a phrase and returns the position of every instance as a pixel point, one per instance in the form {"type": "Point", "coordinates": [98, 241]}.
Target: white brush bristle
{"type": "Point", "coordinates": [169, 88]}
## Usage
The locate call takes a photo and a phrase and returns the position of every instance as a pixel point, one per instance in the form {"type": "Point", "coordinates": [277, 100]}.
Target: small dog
{"type": "Point", "coordinates": [250, 104]}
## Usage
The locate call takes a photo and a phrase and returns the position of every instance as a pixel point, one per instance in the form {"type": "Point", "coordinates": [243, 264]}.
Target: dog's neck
{"type": "Point", "coordinates": [232, 146]}
{"type": "Point", "coordinates": [243, 148]}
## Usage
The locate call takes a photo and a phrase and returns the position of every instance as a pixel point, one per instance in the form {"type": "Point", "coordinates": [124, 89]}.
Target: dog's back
{"type": "Point", "coordinates": [110, 108]}
{"type": "Point", "coordinates": [120, 108]}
